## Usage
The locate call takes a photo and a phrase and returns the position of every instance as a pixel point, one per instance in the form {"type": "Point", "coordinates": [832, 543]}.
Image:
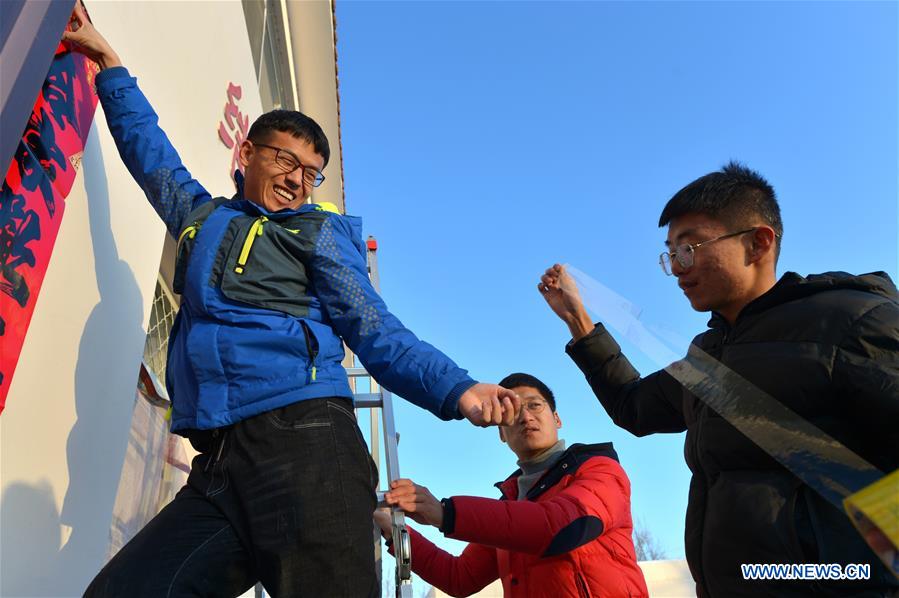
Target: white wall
{"type": "Point", "coordinates": [65, 428]}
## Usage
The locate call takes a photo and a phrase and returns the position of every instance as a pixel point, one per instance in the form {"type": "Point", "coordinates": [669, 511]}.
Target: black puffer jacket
{"type": "Point", "coordinates": [827, 347]}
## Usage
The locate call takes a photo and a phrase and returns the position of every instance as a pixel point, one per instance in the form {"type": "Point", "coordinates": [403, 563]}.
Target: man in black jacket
{"type": "Point", "coordinates": [825, 346]}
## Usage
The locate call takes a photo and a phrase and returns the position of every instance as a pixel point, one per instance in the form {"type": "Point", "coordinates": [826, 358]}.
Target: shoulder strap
{"type": "Point", "coordinates": [202, 212]}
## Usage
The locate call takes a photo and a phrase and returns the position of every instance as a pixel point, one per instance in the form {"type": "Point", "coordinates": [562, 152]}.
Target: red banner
{"type": "Point", "coordinates": [32, 198]}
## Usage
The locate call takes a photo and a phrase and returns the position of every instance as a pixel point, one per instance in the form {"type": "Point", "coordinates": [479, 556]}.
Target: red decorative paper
{"type": "Point", "coordinates": [32, 198]}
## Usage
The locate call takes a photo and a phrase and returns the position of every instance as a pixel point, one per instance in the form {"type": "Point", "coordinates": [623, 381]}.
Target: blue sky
{"type": "Point", "coordinates": [484, 141]}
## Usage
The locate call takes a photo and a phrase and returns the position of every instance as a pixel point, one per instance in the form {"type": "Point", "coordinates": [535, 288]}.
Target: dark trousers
{"type": "Point", "coordinates": [284, 498]}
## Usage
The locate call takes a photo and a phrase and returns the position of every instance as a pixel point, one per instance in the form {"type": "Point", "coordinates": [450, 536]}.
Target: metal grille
{"type": "Point", "coordinates": [162, 316]}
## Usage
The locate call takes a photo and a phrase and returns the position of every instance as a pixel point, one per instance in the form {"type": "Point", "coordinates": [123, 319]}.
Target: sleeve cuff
{"type": "Point", "coordinates": [573, 345]}
{"type": "Point", "coordinates": [113, 72]}
{"type": "Point", "coordinates": [587, 351]}
{"type": "Point", "coordinates": [450, 408]}
{"type": "Point", "coordinates": [449, 517]}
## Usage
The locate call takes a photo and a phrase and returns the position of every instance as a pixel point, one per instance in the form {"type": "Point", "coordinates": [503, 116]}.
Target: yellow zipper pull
{"type": "Point", "coordinates": [189, 231]}
{"type": "Point", "coordinates": [255, 231]}
{"type": "Point", "coordinates": [313, 373]}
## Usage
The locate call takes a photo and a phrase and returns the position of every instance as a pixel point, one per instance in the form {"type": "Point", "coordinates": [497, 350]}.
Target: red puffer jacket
{"type": "Point", "coordinates": [571, 537]}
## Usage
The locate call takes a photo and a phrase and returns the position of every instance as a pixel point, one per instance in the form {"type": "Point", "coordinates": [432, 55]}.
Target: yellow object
{"type": "Point", "coordinates": [190, 232]}
{"type": "Point", "coordinates": [168, 414]}
{"type": "Point", "coordinates": [313, 373]}
{"type": "Point", "coordinates": [876, 508]}
{"type": "Point", "coordinates": [255, 231]}
{"type": "Point", "coordinates": [327, 206]}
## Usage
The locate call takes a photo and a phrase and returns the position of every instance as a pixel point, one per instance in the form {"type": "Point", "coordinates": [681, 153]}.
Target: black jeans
{"type": "Point", "coordinates": [284, 498]}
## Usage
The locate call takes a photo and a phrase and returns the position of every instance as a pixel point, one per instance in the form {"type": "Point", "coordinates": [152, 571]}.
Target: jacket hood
{"type": "Point", "coordinates": [792, 286]}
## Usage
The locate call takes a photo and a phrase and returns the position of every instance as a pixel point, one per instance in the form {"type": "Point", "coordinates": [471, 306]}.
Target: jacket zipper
{"type": "Point", "coordinates": [310, 349]}
{"type": "Point", "coordinates": [582, 589]}
{"type": "Point", "coordinates": [702, 420]}
{"type": "Point", "coordinates": [255, 231]}
{"type": "Point", "coordinates": [190, 232]}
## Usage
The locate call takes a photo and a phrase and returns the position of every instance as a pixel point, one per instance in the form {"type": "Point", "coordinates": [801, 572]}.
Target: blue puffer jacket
{"type": "Point", "coordinates": [266, 297]}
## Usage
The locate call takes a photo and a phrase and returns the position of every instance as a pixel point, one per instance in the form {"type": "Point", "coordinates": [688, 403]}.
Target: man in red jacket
{"type": "Point", "coordinates": [562, 527]}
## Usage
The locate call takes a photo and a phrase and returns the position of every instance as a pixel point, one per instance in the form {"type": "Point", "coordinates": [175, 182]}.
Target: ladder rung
{"type": "Point", "coordinates": [357, 372]}
{"type": "Point", "coordinates": [367, 400]}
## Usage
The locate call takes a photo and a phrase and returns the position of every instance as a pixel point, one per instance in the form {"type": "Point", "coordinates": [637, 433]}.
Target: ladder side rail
{"type": "Point", "coordinates": [402, 543]}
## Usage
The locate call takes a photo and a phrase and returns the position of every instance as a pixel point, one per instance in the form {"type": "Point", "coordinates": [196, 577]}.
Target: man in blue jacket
{"type": "Point", "coordinates": [283, 489]}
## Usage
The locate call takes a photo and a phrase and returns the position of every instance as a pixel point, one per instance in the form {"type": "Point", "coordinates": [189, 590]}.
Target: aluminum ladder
{"type": "Point", "coordinates": [379, 398]}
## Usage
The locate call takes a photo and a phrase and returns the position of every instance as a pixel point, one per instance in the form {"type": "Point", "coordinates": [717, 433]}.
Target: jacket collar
{"type": "Point", "coordinates": [573, 457]}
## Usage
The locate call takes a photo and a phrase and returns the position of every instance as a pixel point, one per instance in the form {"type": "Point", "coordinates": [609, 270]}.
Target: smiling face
{"type": "Point", "coordinates": [266, 183]}
{"type": "Point", "coordinates": [532, 433]}
{"type": "Point", "coordinates": [721, 278]}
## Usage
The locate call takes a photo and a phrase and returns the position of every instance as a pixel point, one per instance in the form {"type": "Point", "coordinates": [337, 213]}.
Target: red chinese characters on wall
{"type": "Point", "coordinates": [233, 129]}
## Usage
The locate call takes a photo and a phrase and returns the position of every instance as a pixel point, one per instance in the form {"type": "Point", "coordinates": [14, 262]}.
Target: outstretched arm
{"type": "Point", "coordinates": [597, 500]}
{"type": "Point", "coordinates": [397, 359]}
{"type": "Point", "coordinates": [640, 405]}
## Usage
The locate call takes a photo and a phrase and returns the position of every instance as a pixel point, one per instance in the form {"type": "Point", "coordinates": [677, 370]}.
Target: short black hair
{"type": "Point", "coordinates": [520, 379]}
{"type": "Point", "coordinates": [293, 122]}
{"type": "Point", "coordinates": [736, 195]}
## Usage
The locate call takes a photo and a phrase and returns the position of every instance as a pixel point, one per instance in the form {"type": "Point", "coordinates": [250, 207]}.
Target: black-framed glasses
{"type": "Point", "coordinates": [287, 162]}
{"type": "Point", "coordinates": [684, 253]}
